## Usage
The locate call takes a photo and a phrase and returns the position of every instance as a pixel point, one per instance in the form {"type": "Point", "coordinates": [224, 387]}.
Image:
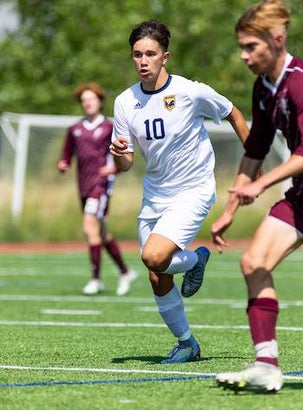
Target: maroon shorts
{"type": "Point", "coordinates": [289, 210]}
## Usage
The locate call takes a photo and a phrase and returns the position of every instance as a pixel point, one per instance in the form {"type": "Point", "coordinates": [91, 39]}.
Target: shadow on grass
{"type": "Point", "coordinates": [158, 359]}
{"type": "Point", "coordinates": [147, 359]}
{"type": "Point", "coordinates": [293, 385]}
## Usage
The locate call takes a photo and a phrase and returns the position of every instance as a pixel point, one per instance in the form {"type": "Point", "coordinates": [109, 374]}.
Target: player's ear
{"type": "Point", "coordinates": [166, 57]}
{"type": "Point", "coordinates": [280, 41]}
{"type": "Point", "coordinates": [279, 36]}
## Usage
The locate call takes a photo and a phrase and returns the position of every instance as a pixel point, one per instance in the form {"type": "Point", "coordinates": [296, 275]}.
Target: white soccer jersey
{"type": "Point", "coordinates": [168, 126]}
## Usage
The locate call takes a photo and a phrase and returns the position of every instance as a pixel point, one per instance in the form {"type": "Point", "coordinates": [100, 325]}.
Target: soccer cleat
{"type": "Point", "coordinates": [193, 278]}
{"type": "Point", "coordinates": [260, 375]}
{"type": "Point", "coordinates": [184, 352]}
{"type": "Point", "coordinates": [93, 287]}
{"type": "Point", "coordinates": [125, 281]}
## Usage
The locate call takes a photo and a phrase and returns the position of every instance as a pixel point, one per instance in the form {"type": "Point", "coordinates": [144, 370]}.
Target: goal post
{"type": "Point", "coordinates": [16, 128]}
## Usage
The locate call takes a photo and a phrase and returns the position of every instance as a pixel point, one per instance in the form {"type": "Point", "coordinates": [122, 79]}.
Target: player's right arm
{"type": "Point", "coordinates": [122, 157]}
{"type": "Point", "coordinates": [122, 148]}
{"type": "Point", "coordinates": [238, 123]}
{"type": "Point", "coordinates": [67, 151]}
{"type": "Point", "coordinates": [62, 165]}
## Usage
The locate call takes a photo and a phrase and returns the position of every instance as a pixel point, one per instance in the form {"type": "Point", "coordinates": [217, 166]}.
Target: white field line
{"type": "Point", "coordinates": [9, 274]}
{"type": "Point", "coordinates": [293, 377]}
{"type": "Point", "coordinates": [155, 309]}
{"type": "Point", "coordinates": [121, 371]}
{"type": "Point", "coordinates": [69, 312]}
{"type": "Point", "coordinates": [135, 300]}
{"type": "Point", "coordinates": [102, 370]}
{"type": "Point", "coordinates": [130, 325]}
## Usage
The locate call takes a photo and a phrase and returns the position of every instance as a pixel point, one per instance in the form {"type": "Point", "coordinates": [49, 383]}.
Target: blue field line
{"type": "Point", "coordinates": [119, 381]}
{"type": "Point", "coordinates": [295, 373]}
{"type": "Point", "coordinates": [206, 376]}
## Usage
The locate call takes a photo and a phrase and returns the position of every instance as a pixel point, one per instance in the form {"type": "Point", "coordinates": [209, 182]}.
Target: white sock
{"type": "Point", "coordinates": [267, 349]}
{"type": "Point", "coordinates": [171, 309]}
{"type": "Point", "coordinates": [182, 261]}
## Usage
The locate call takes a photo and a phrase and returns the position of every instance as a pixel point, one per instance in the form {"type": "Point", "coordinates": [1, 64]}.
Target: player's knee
{"type": "Point", "coordinates": [246, 264]}
{"type": "Point", "coordinates": [88, 233]}
{"type": "Point", "coordinates": [155, 260]}
{"type": "Point", "coordinates": [251, 263]}
{"type": "Point", "coordinates": [91, 228]}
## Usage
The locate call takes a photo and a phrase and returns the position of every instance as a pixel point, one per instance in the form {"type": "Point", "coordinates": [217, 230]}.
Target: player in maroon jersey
{"type": "Point", "coordinates": [89, 140]}
{"type": "Point", "coordinates": [277, 105]}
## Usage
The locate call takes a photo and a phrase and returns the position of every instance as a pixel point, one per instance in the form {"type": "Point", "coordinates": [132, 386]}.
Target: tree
{"type": "Point", "coordinates": [61, 43]}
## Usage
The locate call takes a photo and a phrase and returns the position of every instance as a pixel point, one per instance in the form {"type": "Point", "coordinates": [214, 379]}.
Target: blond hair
{"type": "Point", "coordinates": [94, 87]}
{"type": "Point", "coordinates": [264, 18]}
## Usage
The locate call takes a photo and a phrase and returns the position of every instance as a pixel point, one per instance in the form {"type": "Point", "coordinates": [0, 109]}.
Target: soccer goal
{"type": "Point", "coordinates": [25, 138]}
{"type": "Point", "coordinates": [30, 144]}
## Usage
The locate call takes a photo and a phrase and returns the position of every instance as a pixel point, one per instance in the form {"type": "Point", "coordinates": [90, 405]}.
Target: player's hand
{"type": "Point", "coordinates": [247, 193]}
{"type": "Point", "coordinates": [119, 147]}
{"type": "Point", "coordinates": [107, 170]}
{"type": "Point", "coordinates": [217, 230]}
{"type": "Point", "coordinates": [62, 166]}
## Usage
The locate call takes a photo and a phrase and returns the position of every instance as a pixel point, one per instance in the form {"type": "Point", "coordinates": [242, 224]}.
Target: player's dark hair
{"type": "Point", "coordinates": [152, 29]}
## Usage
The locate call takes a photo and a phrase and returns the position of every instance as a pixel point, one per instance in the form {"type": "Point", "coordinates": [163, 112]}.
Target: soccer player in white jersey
{"type": "Point", "coordinates": [164, 114]}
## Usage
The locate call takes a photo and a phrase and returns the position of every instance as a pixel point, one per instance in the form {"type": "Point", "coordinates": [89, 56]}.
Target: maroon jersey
{"type": "Point", "coordinates": [89, 142]}
{"type": "Point", "coordinates": [281, 109]}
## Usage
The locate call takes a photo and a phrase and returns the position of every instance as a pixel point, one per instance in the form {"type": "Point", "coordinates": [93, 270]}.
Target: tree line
{"type": "Point", "coordinates": [61, 43]}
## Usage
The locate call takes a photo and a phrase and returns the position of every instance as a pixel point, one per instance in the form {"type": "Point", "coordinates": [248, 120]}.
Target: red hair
{"type": "Point", "coordinates": [94, 87]}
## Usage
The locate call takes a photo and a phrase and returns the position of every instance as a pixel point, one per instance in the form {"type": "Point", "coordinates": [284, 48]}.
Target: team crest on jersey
{"type": "Point", "coordinates": [170, 102]}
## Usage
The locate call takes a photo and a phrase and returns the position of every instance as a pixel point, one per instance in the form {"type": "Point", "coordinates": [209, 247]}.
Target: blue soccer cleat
{"type": "Point", "coordinates": [193, 278]}
{"type": "Point", "coordinates": [184, 352]}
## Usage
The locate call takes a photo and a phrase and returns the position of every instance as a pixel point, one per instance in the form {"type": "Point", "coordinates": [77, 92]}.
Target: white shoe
{"type": "Point", "coordinates": [93, 287]}
{"type": "Point", "coordinates": [258, 375]}
{"type": "Point", "coordinates": [125, 281]}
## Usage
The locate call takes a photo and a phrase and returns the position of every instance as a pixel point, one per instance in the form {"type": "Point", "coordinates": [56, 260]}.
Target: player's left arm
{"type": "Point", "coordinates": [288, 169]}
{"type": "Point", "coordinates": [238, 123]}
{"type": "Point", "coordinates": [246, 174]}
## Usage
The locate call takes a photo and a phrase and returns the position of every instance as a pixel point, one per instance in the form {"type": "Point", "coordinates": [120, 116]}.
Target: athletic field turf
{"type": "Point", "coordinates": [62, 350]}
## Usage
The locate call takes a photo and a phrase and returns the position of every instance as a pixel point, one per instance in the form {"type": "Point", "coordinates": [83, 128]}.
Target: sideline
{"type": "Point", "coordinates": [81, 246]}
{"type": "Point", "coordinates": [131, 325]}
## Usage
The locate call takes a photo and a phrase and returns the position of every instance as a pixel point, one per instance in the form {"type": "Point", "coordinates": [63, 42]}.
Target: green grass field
{"type": "Point", "coordinates": [62, 350]}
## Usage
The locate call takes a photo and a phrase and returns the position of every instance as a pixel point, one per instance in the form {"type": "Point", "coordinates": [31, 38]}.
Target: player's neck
{"type": "Point", "coordinates": [277, 70]}
{"type": "Point", "coordinates": [93, 117]}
